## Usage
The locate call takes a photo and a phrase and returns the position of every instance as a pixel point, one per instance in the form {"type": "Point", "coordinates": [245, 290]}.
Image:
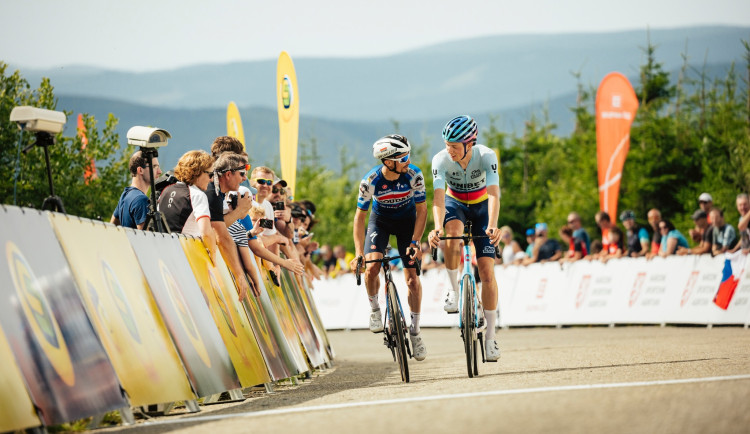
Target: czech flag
{"type": "Point", "coordinates": [729, 281]}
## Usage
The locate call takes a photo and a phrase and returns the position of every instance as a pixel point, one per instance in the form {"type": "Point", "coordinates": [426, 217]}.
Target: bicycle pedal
{"type": "Point", "coordinates": [451, 313]}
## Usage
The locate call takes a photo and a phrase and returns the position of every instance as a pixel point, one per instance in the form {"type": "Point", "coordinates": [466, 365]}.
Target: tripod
{"type": "Point", "coordinates": [45, 140]}
{"type": "Point", "coordinates": [155, 221]}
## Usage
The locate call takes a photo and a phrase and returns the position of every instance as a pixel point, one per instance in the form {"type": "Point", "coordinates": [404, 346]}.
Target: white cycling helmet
{"type": "Point", "coordinates": [390, 145]}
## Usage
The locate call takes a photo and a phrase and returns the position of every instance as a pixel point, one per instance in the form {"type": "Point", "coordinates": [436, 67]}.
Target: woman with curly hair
{"type": "Point", "coordinates": [184, 204]}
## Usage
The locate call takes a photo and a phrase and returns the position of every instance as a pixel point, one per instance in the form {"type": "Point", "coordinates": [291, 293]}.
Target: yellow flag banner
{"type": "Point", "coordinates": [64, 365]}
{"type": "Point", "coordinates": [234, 124]}
{"type": "Point", "coordinates": [229, 316]}
{"type": "Point", "coordinates": [616, 105]}
{"type": "Point", "coordinates": [314, 314]}
{"type": "Point", "coordinates": [119, 302]}
{"type": "Point", "coordinates": [287, 98]}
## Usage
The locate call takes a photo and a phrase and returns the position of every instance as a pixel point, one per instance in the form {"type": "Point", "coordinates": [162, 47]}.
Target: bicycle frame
{"type": "Point", "coordinates": [467, 272]}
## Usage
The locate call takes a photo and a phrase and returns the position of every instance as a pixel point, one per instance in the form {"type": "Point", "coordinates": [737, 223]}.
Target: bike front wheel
{"type": "Point", "coordinates": [467, 326]}
{"type": "Point", "coordinates": [398, 330]}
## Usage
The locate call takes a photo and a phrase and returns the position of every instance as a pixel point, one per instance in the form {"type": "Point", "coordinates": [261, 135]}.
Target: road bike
{"type": "Point", "coordinates": [395, 329]}
{"type": "Point", "coordinates": [471, 319]}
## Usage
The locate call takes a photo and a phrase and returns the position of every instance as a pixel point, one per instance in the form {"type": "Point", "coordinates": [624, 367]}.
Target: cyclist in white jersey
{"type": "Point", "coordinates": [396, 189]}
{"type": "Point", "coordinates": [467, 187]}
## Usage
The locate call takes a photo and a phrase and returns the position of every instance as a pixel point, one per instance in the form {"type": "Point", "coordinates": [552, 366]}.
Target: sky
{"type": "Point", "coordinates": [151, 35]}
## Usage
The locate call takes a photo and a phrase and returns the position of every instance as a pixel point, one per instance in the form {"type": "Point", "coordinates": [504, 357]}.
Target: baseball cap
{"type": "Point", "coordinates": [699, 214]}
{"type": "Point", "coordinates": [540, 227]}
{"type": "Point", "coordinates": [277, 180]}
{"type": "Point", "coordinates": [529, 232]}
{"type": "Point", "coordinates": [705, 197]}
{"type": "Point", "coordinates": [627, 215]}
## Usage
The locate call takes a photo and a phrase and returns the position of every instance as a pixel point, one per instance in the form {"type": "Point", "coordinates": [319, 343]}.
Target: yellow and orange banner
{"type": "Point", "coordinates": [234, 124]}
{"type": "Point", "coordinates": [119, 303]}
{"type": "Point", "coordinates": [616, 105]}
{"type": "Point", "coordinates": [90, 171]}
{"type": "Point", "coordinates": [16, 409]}
{"type": "Point", "coordinates": [287, 98]}
{"type": "Point", "coordinates": [229, 316]}
{"type": "Point", "coordinates": [64, 365]}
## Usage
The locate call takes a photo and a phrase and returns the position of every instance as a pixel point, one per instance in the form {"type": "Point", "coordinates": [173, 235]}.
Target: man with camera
{"type": "Point", "coordinates": [132, 207]}
{"type": "Point", "coordinates": [228, 171]}
{"type": "Point", "coordinates": [263, 179]}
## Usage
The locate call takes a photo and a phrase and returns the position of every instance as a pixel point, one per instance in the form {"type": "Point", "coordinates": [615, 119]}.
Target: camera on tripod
{"type": "Point", "coordinates": [44, 123]}
{"type": "Point", "coordinates": [150, 140]}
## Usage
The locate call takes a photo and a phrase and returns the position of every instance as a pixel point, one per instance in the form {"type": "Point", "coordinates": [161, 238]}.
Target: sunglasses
{"type": "Point", "coordinates": [264, 181]}
{"type": "Point", "coordinates": [278, 190]}
{"type": "Point", "coordinates": [242, 173]}
{"type": "Point", "coordinates": [403, 159]}
{"type": "Point", "coordinates": [661, 228]}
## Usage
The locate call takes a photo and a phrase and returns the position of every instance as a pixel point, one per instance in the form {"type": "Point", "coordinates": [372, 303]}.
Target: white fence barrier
{"type": "Point", "coordinates": [673, 290]}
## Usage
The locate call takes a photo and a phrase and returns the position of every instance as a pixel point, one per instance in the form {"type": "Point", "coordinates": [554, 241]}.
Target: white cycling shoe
{"type": "Point", "coordinates": [376, 322]}
{"type": "Point", "coordinates": [491, 351]}
{"type": "Point", "coordinates": [418, 350]}
{"type": "Point", "coordinates": [451, 302]}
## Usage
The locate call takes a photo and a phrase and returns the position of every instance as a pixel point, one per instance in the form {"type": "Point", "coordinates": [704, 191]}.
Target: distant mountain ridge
{"type": "Point", "coordinates": [488, 74]}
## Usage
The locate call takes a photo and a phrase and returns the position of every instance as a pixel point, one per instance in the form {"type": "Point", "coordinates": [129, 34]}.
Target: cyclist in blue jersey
{"type": "Point", "coordinates": [397, 191]}
{"type": "Point", "coordinates": [467, 187]}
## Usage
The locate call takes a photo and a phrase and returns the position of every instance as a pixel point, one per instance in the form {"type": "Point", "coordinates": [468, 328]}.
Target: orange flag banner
{"type": "Point", "coordinates": [90, 171]}
{"type": "Point", "coordinates": [616, 105]}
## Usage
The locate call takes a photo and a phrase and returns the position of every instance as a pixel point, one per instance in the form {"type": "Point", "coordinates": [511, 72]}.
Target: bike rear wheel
{"type": "Point", "coordinates": [467, 326]}
{"type": "Point", "coordinates": [398, 330]}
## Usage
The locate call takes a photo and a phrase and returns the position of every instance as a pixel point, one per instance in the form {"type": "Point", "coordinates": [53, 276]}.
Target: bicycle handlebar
{"type": "Point", "coordinates": [385, 259]}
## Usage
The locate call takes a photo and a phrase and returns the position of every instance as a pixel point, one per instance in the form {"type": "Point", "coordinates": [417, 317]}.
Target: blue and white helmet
{"type": "Point", "coordinates": [461, 129]}
{"type": "Point", "coordinates": [390, 145]}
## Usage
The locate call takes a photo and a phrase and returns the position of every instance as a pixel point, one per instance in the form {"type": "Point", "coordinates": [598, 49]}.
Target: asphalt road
{"type": "Point", "coordinates": [581, 379]}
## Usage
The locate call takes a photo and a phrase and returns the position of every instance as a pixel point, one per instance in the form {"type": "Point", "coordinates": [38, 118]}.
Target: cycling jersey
{"type": "Point", "coordinates": [468, 185]}
{"type": "Point", "coordinates": [393, 199]}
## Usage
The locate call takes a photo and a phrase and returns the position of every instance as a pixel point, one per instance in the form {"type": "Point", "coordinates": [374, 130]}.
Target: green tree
{"type": "Point", "coordinates": [92, 198]}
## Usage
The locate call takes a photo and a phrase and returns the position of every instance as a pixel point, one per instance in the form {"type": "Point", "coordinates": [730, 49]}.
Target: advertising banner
{"type": "Point", "coordinates": [234, 124]}
{"type": "Point", "coordinates": [16, 409]}
{"type": "Point", "coordinates": [313, 346]}
{"type": "Point", "coordinates": [267, 339]}
{"type": "Point", "coordinates": [220, 294]}
{"type": "Point", "coordinates": [314, 315]}
{"type": "Point", "coordinates": [273, 300]}
{"type": "Point", "coordinates": [63, 363]}
{"type": "Point", "coordinates": [616, 105]}
{"type": "Point", "coordinates": [119, 302]}
{"type": "Point", "coordinates": [185, 312]}
{"type": "Point", "coordinates": [287, 99]}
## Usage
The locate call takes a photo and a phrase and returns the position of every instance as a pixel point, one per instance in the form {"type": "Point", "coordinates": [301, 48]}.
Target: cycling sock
{"type": "Point", "coordinates": [374, 304]}
{"type": "Point", "coordinates": [491, 317]}
{"type": "Point", "coordinates": [414, 327]}
{"type": "Point", "coordinates": [453, 277]}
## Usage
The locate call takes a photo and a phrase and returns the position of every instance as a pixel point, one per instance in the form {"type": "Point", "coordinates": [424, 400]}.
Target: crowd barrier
{"type": "Point", "coordinates": [672, 290]}
{"type": "Point", "coordinates": [96, 318]}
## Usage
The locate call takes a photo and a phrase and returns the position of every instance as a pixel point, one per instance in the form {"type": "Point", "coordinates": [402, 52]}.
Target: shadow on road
{"type": "Point", "coordinates": [350, 375]}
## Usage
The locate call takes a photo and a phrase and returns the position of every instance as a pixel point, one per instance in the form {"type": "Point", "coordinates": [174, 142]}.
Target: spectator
{"type": "Point", "coordinates": [614, 244]}
{"type": "Point", "coordinates": [132, 207]}
{"type": "Point", "coordinates": [596, 249]}
{"type": "Point", "coordinates": [637, 238]}
{"type": "Point", "coordinates": [512, 253]}
{"type": "Point", "coordinates": [545, 249]}
{"type": "Point", "coordinates": [530, 237]}
{"type": "Point", "coordinates": [671, 238]}
{"type": "Point", "coordinates": [184, 204]}
{"type": "Point", "coordinates": [281, 213]}
{"type": "Point", "coordinates": [343, 258]}
{"type": "Point", "coordinates": [228, 171]}
{"type": "Point", "coordinates": [574, 221]}
{"type": "Point", "coordinates": [701, 223]}
{"type": "Point", "coordinates": [743, 206]}
{"type": "Point", "coordinates": [654, 217]}
{"type": "Point", "coordinates": [706, 203]}
{"type": "Point", "coordinates": [576, 246]}
{"type": "Point", "coordinates": [725, 237]}
{"type": "Point", "coordinates": [329, 261]}
{"type": "Point", "coordinates": [605, 223]}
{"type": "Point", "coordinates": [262, 179]}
